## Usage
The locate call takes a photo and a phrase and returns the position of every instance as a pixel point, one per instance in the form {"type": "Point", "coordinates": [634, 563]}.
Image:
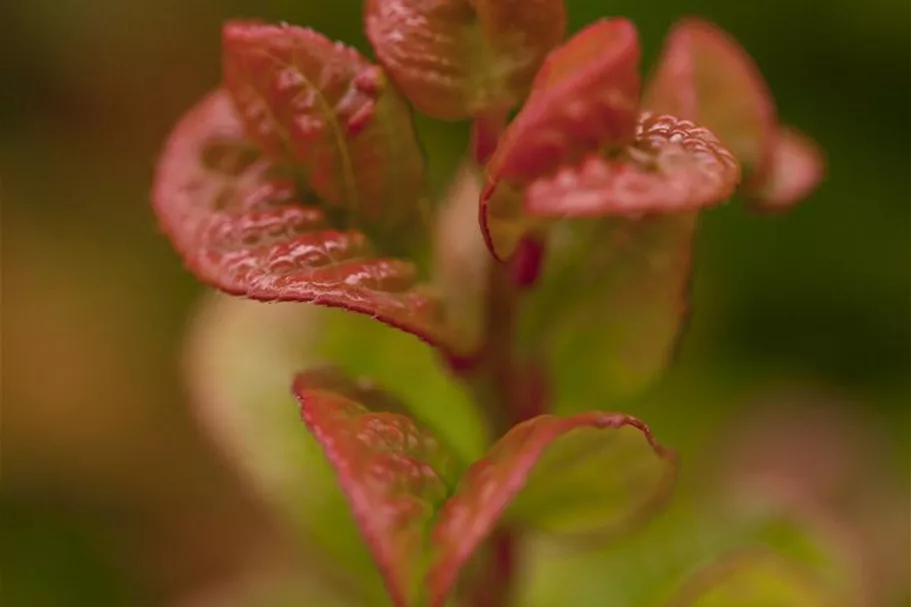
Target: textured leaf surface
{"type": "Point", "coordinates": [797, 168]}
{"type": "Point", "coordinates": [321, 106]}
{"type": "Point", "coordinates": [243, 225]}
{"type": "Point", "coordinates": [395, 475]}
{"type": "Point", "coordinates": [585, 97]}
{"type": "Point", "coordinates": [610, 304]}
{"type": "Point", "coordinates": [706, 76]}
{"type": "Point", "coordinates": [510, 470]}
{"type": "Point", "coordinates": [671, 166]}
{"type": "Point", "coordinates": [463, 58]}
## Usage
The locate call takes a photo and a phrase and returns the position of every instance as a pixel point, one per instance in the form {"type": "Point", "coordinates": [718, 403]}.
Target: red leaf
{"type": "Point", "coordinates": [705, 75]}
{"type": "Point", "coordinates": [490, 485]}
{"type": "Point", "coordinates": [394, 474]}
{"type": "Point", "coordinates": [797, 168]}
{"type": "Point", "coordinates": [462, 58]}
{"type": "Point", "coordinates": [242, 225]}
{"type": "Point", "coordinates": [585, 97]}
{"type": "Point", "coordinates": [321, 106]}
{"type": "Point", "coordinates": [671, 166]}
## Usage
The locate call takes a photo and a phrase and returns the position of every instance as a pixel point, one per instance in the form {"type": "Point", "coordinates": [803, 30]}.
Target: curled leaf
{"type": "Point", "coordinates": [797, 168]}
{"type": "Point", "coordinates": [611, 304]}
{"type": "Point", "coordinates": [243, 225]}
{"type": "Point", "coordinates": [671, 166]}
{"type": "Point", "coordinates": [463, 58]}
{"type": "Point", "coordinates": [394, 474]}
{"type": "Point", "coordinates": [585, 97]}
{"type": "Point", "coordinates": [706, 76]}
{"type": "Point", "coordinates": [321, 106]}
{"type": "Point", "coordinates": [524, 463]}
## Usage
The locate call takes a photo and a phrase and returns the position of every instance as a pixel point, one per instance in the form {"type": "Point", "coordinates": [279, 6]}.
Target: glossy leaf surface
{"type": "Point", "coordinates": [672, 166]}
{"type": "Point", "coordinates": [705, 75]}
{"type": "Point", "coordinates": [610, 305]}
{"type": "Point", "coordinates": [243, 225]}
{"type": "Point", "coordinates": [395, 475]}
{"type": "Point", "coordinates": [511, 471]}
{"type": "Point", "coordinates": [321, 106]}
{"type": "Point", "coordinates": [401, 483]}
{"type": "Point", "coordinates": [585, 98]}
{"type": "Point", "coordinates": [463, 58]}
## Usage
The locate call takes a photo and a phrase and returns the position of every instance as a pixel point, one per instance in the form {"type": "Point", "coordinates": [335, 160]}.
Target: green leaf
{"type": "Point", "coordinates": [755, 578]}
{"type": "Point", "coordinates": [463, 58]}
{"type": "Point", "coordinates": [610, 305]}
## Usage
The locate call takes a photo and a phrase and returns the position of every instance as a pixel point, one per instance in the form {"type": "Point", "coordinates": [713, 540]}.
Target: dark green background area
{"type": "Point", "coordinates": [90, 90]}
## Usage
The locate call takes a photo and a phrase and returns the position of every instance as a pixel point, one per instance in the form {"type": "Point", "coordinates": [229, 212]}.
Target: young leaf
{"type": "Point", "coordinates": [463, 58]}
{"type": "Point", "coordinates": [672, 166]}
{"type": "Point", "coordinates": [512, 466]}
{"type": "Point", "coordinates": [617, 291]}
{"type": "Point", "coordinates": [580, 147]}
{"type": "Point", "coordinates": [797, 168]}
{"type": "Point", "coordinates": [395, 475]}
{"type": "Point", "coordinates": [243, 225]}
{"type": "Point", "coordinates": [706, 76]}
{"type": "Point", "coordinates": [320, 105]}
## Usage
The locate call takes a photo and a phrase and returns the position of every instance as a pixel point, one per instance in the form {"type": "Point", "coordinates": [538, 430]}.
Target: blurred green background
{"type": "Point", "coordinates": [111, 495]}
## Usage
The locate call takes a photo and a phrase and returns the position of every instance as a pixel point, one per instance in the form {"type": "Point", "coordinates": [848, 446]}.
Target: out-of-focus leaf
{"type": "Point", "coordinates": [242, 225]}
{"type": "Point", "coordinates": [239, 360]}
{"type": "Point", "coordinates": [511, 471]}
{"type": "Point", "coordinates": [755, 578]}
{"type": "Point", "coordinates": [706, 76]}
{"type": "Point", "coordinates": [672, 166]}
{"type": "Point", "coordinates": [321, 106]}
{"type": "Point", "coordinates": [610, 305]}
{"type": "Point", "coordinates": [461, 259]}
{"type": "Point", "coordinates": [797, 168]}
{"type": "Point", "coordinates": [395, 475]}
{"type": "Point", "coordinates": [463, 58]}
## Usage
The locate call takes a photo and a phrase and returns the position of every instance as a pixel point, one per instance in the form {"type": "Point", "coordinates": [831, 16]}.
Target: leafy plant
{"type": "Point", "coordinates": [301, 179]}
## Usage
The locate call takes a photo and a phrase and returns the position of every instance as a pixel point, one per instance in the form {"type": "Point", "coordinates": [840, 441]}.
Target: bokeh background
{"type": "Point", "coordinates": [111, 493]}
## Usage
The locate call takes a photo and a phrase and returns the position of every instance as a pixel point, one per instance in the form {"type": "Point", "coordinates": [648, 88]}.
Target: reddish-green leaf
{"type": "Point", "coordinates": [463, 58]}
{"type": "Point", "coordinates": [706, 76]}
{"type": "Point", "coordinates": [797, 168]}
{"type": "Point", "coordinates": [416, 519]}
{"type": "Point", "coordinates": [671, 166]}
{"type": "Point", "coordinates": [585, 98]}
{"type": "Point", "coordinates": [243, 225]}
{"type": "Point", "coordinates": [395, 475]}
{"type": "Point", "coordinates": [527, 464]}
{"type": "Point", "coordinates": [610, 305]}
{"type": "Point", "coordinates": [321, 106]}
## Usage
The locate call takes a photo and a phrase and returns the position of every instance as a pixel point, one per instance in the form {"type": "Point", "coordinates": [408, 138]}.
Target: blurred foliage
{"type": "Point", "coordinates": [111, 492]}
